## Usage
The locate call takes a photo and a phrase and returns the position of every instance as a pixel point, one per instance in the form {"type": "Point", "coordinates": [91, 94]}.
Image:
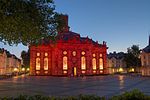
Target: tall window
{"type": "Point", "coordinates": [45, 63]}
{"type": "Point", "coordinates": [94, 63]}
{"type": "Point", "coordinates": [101, 63]}
{"type": "Point", "coordinates": [37, 63]}
{"type": "Point", "coordinates": [65, 65]}
{"type": "Point", "coordinates": [83, 63]}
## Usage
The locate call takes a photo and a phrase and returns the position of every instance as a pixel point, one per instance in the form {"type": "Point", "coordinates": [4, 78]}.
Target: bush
{"type": "Point", "coordinates": [132, 95]}
{"type": "Point", "coordinates": [90, 97]}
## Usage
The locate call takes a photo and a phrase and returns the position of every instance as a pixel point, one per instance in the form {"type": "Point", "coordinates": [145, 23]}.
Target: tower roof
{"type": "Point", "coordinates": [147, 49]}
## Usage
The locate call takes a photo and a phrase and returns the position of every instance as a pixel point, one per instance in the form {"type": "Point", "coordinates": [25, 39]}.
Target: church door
{"type": "Point", "coordinates": [74, 71]}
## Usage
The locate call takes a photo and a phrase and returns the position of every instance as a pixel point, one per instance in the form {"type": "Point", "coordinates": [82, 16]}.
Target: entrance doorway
{"type": "Point", "coordinates": [74, 71]}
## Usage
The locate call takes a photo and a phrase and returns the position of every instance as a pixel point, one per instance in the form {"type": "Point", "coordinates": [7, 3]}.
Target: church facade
{"type": "Point", "coordinates": [70, 55]}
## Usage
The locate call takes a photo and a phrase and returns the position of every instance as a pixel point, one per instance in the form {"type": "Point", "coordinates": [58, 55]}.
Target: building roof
{"type": "Point", "coordinates": [2, 50]}
{"type": "Point", "coordinates": [147, 48]}
{"type": "Point", "coordinates": [115, 55]}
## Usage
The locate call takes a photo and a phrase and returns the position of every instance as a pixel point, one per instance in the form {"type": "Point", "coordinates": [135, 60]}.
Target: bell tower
{"type": "Point", "coordinates": [64, 24]}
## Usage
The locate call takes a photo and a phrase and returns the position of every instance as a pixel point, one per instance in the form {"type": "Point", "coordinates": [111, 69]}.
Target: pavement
{"type": "Point", "coordinates": [107, 86]}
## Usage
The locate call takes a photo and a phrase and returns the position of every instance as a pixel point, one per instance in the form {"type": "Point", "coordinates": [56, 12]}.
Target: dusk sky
{"type": "Point", "coordinates": [121, 23]}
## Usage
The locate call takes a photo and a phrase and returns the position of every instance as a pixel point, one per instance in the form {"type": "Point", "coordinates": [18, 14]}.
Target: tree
{"type": "Point", "coordinates": [27, 21]}
{"type": "Point", "coordinates": [25, 55]}
{"type": "Point", "coordinates": [132, 56]}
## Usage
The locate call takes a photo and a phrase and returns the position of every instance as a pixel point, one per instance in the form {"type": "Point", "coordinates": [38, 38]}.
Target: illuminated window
{"type": "Point", "coordinates": [100, 63]}
{"type": "Point", "coordinates": [65, 66]}
{"type": "Point", "coordinates": [83, 63]}
{"type": "Point", "coordinates": [94, 63]}
{"type": "Point", "coordinates": [74, 53]}
{"type": "Point", "coordinates": [100, 55]}
{"type": "Point", "coordinates": [37, 63]}
{"type": "Point", "coordinates": [45, 63]}
{"type": "Point", "coordinates": [83, 53]}
{"type": "Point", "coordinates": [38, 54]}
{"type": "Point", "coordinates": [83, 72]}
{"type": "Point", "coordinates": [46, 54]}
{"type": "Point", "coordinates": [65, 52]}
{"type": "Point", "coordinates": [94, 55]}
{"type": "Point", "coordinates": [65, 72]}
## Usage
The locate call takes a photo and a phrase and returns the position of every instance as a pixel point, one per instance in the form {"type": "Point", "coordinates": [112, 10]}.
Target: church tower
{"type": "Point", "coordinates": [64, 24]}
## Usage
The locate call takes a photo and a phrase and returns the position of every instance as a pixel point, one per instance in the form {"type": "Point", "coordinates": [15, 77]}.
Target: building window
{"type": "Point", "coordinates": [94, 63]}
{"type": "Point", "coordinates": [100, 63]}
{"type": "Point", "coordinates": [46, 54]}
{"type": "Point", "coordinates": [83, 63]}
{"type": "Point", "coordinates": [45, 63]}
{"type": "Point", "coordinates": [65, 52]}
{"type": "Point", "coordinates": [74, 53]}
{"type": "Point", "coordinates": [37, 63]}
{"type": "Point", "coordinates": [65, 65]}
{"type": "Point", "coordinates": [38, 54]}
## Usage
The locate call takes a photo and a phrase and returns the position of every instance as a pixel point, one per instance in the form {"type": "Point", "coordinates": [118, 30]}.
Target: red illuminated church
{"type": "Point", "coordinates": [71, 55]}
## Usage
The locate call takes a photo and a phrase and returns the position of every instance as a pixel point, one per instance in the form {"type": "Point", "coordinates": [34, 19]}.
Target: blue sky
{"type": "Point", "coordinates": [121, 23]}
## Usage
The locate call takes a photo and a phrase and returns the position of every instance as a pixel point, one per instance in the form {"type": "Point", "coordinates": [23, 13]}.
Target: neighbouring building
{"type": "Point", "coordinates": [116, 62]}
{"type": "Point", "coordinates": [145, 60]}
{"type": "Point", "coordinates": [70, 55]}
{"type": "Point", "coordinates": [3, 61]}
{"type": "Point", "coordinates": [9, 63]}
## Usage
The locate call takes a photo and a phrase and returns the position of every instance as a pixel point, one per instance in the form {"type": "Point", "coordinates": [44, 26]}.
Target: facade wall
{"type": "Point", "coordinates": [7, 64]}
{"type": "Point", "coordinates": [55, 59]}
{"type": "Point", "coordinates": [116, 65]}
{"type": "Point", "coordinates": [145, 60]}
{"type": "Point", "coordinates": [3, 62]}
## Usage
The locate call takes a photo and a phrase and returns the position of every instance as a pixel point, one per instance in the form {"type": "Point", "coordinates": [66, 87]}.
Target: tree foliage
{"type": "Point", "coordinates": [27, 21]}
{"type": "Point", "coordinates": [25, 55]}
{"type": "Point", "coordinates": [132, 56]}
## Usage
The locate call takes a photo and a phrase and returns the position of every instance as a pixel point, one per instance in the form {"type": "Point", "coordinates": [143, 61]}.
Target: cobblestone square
{"type": "Point", "coordinates": [65, 86]}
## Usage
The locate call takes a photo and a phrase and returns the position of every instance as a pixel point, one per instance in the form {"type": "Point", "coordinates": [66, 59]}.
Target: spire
{"type": "Point", "coordinates": [149, 40]}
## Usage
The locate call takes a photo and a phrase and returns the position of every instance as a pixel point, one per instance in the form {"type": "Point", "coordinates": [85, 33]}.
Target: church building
{"type": "Point", "coordinates": [69, 55]}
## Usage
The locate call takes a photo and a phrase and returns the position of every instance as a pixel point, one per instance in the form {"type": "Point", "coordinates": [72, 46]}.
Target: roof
{"type": "Point", "coordinates": [68, 35]}
{"type": "Point", "coordinates": [119, 55]}
{"type": "Point", "coordinates": [147, 49]}
{"type": "Point", "coordinates": [8, 54]}
{"type": "Point", "coordinates": [65, 36]}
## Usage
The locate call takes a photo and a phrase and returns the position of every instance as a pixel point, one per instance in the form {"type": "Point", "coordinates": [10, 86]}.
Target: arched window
{"type": "Point", "coordinates": [37, 63]}
{"type": "Point", "coordinates": [94, 63]}
{"type": "Point", "coordinates": [83, 63]}
{"type": "Point", "coordinates": [65, 65]}
{"type": "Point", "coordinates": [45, 63]}
{"type": "Point", "coordinates": [100, 63]}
